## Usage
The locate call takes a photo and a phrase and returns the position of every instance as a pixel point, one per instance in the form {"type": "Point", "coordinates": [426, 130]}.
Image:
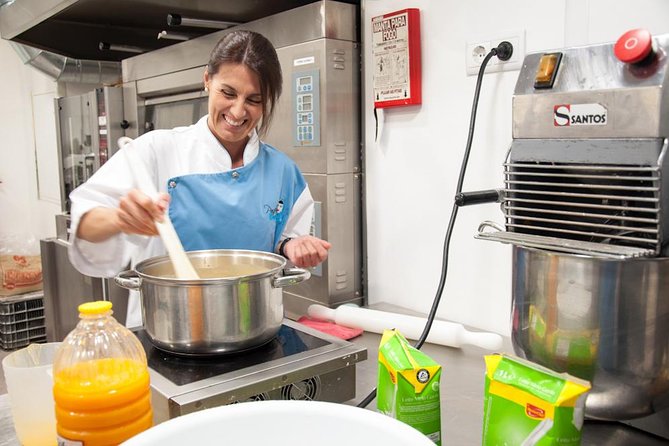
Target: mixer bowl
{"type": "Point", "coordinates": [603, 320]}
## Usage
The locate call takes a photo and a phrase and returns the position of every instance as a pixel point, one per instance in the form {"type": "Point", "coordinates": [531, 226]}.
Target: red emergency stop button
{"type": "Point", "coordinates": [633, 46]}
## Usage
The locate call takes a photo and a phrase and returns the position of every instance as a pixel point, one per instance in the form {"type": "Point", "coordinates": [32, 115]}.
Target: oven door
{"type": "Point", "coordinates": [172, 111]}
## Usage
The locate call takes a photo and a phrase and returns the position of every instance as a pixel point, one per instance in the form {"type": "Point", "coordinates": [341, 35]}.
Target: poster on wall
{"type": "Point", "coordinates": [396, 56]}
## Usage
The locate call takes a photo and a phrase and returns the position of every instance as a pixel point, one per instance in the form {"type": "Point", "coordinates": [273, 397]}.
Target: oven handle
{"type": "Point", "coordinates": [179, 97]}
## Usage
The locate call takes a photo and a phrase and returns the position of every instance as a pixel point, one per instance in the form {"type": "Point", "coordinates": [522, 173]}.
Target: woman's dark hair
{"type": "Point", "coordinates": [258, 54]}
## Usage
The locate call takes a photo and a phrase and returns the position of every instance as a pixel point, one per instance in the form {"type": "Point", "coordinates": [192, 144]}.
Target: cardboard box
{"type": "Point", "coordinates": [20, 274]}
{"type": "Point", "coordinates": [526, 404]}
{"type": "Point", "coordinates": [408, 385]}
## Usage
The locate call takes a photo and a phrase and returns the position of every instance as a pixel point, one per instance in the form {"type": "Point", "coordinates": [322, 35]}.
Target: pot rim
{"type": "Point", "coordinates": [280, 261]}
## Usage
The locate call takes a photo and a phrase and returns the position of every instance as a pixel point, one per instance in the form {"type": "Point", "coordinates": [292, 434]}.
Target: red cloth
{"type": "Point", "coordinates": [331, 328]}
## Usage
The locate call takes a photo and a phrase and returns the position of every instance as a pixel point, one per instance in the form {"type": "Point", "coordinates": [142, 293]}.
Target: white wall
{"type": "Point", "coordinates": [411, 174]}
{"type": "Point", "coordinates": [26, 117]}
{"type": "Point", "coordinates": [30, 189]}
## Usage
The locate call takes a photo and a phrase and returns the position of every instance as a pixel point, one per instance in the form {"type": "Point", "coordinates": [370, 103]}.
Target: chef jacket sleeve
{"type": "Point", "coordinates": [301, 216]}
{"type": "Point", "coordinates": [105, 189]}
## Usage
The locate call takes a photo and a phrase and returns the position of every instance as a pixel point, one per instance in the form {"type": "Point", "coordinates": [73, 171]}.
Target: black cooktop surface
{"type": "Point", "coordinates": [182, 370]}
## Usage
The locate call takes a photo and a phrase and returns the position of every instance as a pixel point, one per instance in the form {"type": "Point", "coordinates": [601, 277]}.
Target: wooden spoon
{"type": "Point", "coordinates": [180, 261]}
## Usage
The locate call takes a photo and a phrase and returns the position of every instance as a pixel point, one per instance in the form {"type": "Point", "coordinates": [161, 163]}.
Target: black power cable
{"type": "Point", "coordinates": [503, 52]}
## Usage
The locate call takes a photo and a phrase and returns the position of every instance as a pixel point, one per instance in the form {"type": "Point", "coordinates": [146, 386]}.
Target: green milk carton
{"type": "Point", "coordinates": [408, 387]}
{"type": "Point", "coordinates": [527, 404]}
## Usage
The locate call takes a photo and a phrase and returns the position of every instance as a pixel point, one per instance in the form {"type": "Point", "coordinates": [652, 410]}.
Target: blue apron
{"type": "Point", "coordinates": [244, 208]}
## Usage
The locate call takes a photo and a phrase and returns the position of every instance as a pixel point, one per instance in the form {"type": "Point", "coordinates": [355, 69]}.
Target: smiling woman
{"type": "Point", "coordinates": [235, 107]}
{"type": "Point", "coordinates": [221, 185]}
{"type": "Point", "coordinates": [257, 54]}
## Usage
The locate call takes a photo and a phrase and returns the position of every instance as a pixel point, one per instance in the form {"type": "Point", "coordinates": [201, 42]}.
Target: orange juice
{"type": "Point", "coordinates": [102, 401]}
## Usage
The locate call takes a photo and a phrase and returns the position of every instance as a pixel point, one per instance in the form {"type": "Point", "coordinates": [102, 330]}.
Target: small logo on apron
{"type": "Point", "coordinates": [275, 213]}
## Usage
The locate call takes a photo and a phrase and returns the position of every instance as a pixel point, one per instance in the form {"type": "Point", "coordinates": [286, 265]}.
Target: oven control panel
{"type": "Point", "coordinates": [306, 108]}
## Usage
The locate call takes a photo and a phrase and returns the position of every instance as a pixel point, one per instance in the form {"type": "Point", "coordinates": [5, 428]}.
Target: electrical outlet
{"type": "Point", "coordinates": [477, 48]}
{"type": "Point", "coordinates": [476, 52]}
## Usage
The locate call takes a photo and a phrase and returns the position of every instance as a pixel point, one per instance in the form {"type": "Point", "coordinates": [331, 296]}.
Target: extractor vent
{"type": "Point", "coordinates": [307, 389]}
{"type": "Point", "coordinates": [617, 205]}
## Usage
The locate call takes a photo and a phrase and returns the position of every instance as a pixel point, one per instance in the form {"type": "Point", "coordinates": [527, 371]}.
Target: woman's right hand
{"type": "Point", "coordinates": [137, 213]}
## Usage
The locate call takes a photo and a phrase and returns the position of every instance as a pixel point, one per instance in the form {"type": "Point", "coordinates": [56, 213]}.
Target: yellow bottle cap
{"type": "Point", "coordinates": [97, 307]}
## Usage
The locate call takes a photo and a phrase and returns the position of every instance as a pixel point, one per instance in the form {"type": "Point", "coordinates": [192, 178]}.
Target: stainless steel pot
{"type": "Point", "coordinates": [599, 319]}
{"type": "Point", "coordinates": [237, 304]}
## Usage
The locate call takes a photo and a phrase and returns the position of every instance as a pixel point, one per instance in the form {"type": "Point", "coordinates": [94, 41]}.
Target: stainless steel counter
{"type": "Point", "coordinates": [461, 387]}
{"type": "Point", "coordinates": [461, 399]}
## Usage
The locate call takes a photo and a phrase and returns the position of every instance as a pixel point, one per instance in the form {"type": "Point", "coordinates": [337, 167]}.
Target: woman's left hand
{"type": "Point", "coordinates": [307, 251]}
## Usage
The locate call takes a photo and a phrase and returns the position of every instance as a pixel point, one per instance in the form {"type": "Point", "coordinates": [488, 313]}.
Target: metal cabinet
{"type": "Point", "coordinates": [65, 288]}
{"type": "Point", "coordinates": [88, 127]}
{"type": "Point", "coordinates": [317, 125]}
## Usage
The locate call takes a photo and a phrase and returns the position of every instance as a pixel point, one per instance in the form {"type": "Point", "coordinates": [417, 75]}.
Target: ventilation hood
{"type": "Point", "coordinates": [75, 28]}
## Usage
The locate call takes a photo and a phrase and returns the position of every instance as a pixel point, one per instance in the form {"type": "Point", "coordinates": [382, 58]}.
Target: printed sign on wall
{"type": "Point", "coordinates": [396, 56]}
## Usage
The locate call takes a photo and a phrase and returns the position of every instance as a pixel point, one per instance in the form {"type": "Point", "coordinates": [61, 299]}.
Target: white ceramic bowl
{"type": "Point", "coordinates": [282, 423]}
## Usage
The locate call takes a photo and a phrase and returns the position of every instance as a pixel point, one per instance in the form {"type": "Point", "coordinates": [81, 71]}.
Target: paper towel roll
{"type": "Point", "coordinates": [446, 333]}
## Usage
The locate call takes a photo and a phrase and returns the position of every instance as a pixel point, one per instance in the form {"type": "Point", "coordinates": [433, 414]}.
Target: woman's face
{"type": "Point", "coordinates": [235, 103]}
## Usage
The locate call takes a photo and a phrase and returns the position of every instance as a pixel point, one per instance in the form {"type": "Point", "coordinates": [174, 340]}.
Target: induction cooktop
{"type": "Point", "coordinates": [182, 370]}
{"type": "Point", "coordinates": [298, 363]}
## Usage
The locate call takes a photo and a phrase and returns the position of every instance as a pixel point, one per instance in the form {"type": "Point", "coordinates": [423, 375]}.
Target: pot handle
{"type": "Point", "coordinates": [128, 279]}
{"type": "Point", "coordinates": [291, 276]}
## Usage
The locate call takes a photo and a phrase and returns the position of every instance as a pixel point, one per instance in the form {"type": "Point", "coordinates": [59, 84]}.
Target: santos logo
{"type": "Point", "coordinates": [579, 114]}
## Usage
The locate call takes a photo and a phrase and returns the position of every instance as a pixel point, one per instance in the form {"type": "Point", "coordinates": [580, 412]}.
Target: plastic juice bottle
{"type": "Point", "coordinates": [101, 381]}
